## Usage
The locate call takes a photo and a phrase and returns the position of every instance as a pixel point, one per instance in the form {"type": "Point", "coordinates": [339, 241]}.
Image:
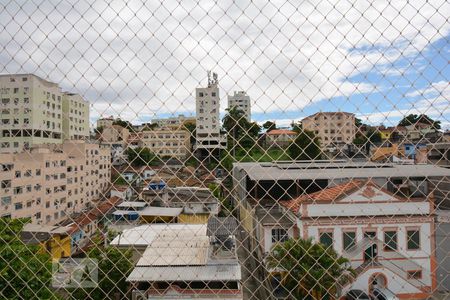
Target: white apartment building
{"type": "Point", "coordinates": [335, 129]}
{"type": "Point", "coordinates": [35, 111]}
{"type": "Point", "coordinates": [48, 182]}
{"type": "Point", "coordinates": [241, 101]}
{"type": "Point", "coordinates": [173, 122]}
{"type": "Point", "coordinates": [167, 142]}
{"type": "Point", "coordinates": [208, 135]}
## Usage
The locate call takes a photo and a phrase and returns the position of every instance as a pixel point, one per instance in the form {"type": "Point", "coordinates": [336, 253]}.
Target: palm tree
{"type": "Point", "coordinates": [309, 269]}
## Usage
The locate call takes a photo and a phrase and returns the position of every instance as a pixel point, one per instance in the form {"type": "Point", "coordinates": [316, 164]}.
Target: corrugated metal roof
{"type": "Point", "coordinates": [332, 170]}
{"type": "Point", "coordinates": [143, 235]}
{"type": "Point", "coordinates": [166, 251]}
{"type": "Point", "coordinates": [161, 211]}
{"type": "Point", "coordinates": [187, 273]}
{"type": "Point", "coordinates": [222, 226]}
{"type": "Point", "coordinates": [132, 204]}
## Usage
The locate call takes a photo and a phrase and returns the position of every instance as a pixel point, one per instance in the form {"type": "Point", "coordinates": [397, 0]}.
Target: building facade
{"type": "Point", "coordinates": [388, 239]}
{"type": "Point", "coordinates": [241, 101]}
{"type": "Point", "coordinates": [47, 183]}
{"type": "Point", "coordinates": [280, 138]}
{"type": "Point", "coordinates": [174, 122]}
{"type": "Point", "coordinates": [35, 111]}
{"type": "Point", "coordinates": [335, 129]}
{"type": "Point", "coordinates": [167, 142]}
{"type": "Point", "coordinates": [209, 138]}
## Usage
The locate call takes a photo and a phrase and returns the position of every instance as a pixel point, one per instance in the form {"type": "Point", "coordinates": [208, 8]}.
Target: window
{"type": "Point", "coordinates": [18, 206]}
{"type": "Point", "coordinates": [6, 200]}
{"type": "Point", "coordinates": [413, 239]}
{"type": "Point", "coordinates": [6, 184]}
{"type": "Point", "coordinates": [16, 90]}
{"type": "Point", "coordinates": [414, 274]}
{"type": "Point", "coordinates": [200, 94]}
{"type": "Point", "coordinates": [349, 239]}
{"type": "Point", "coordinates": [326, 238]}
{"type": "Point", "coordinates": [279, 235]}
{"type": "Point", "coordinates": [390, 240]}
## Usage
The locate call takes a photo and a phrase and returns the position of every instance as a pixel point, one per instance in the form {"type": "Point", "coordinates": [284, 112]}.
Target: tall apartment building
{"type": "Point", "coordinates": [208, 136]}
{"type": "Point", "coordinates": [35, 111]}
{"type": "Point", "coordinates": [334, 129]}
{"type": "Point", "coordinates": [167, 142]}
{"type": "Point", "coordinates": [49, 182]}
{"type": "Point", "coordinates": [75, 117]}
{"type": "Point", "coordinates": [241, 101]}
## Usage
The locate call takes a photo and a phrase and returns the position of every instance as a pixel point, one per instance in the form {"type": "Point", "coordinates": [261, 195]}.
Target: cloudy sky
{"type": "Point", "coordinates": [378, 59]}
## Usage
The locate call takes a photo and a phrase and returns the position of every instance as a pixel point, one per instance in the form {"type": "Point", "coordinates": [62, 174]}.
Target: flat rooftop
{"type": "Point", "coordinates": [335, 169]}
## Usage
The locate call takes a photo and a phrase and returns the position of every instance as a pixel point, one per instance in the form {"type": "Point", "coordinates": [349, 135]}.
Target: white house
{"type": "Point", "coordinates": [388, 239]}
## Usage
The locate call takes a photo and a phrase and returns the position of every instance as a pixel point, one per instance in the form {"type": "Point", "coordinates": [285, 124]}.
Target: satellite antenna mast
{"type": "Point", "coordinates": [209, 79]}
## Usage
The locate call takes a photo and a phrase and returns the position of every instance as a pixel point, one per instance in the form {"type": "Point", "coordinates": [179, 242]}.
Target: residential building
{"type": "Point", "coordinates": [387, 238]}
{"type": "Point", "coordinates": [35, 111]}
{"type": "Point", "coordinates": [167, 142]}
{"type": "Point", "coordinates": [75, 117]}
{"type": "Point", "coordinates": [174, 122]}
{"type": "Point", "coordinates": [114, 135]}
{"type": "Point", "coordinates": [105, 122]}
{"type": "Point", "coordinates": [47, 183]}
{"type": "Point", "coordinates": [209, 139]}
{"type": "Point", "coordinates": [280, 138]}
{"type": "Point", "coordinates": [71, 235]}
{"type": "Point", "coordinates": [241, 101]}
{"type": "Point", "coordinates": [197, 204]}
{"type": "Point", "coordinates": [335, 129]}
{"type": "Point", "coordinates": [55, 240]}
{"type": "Point", "coordinates": [180, 261]}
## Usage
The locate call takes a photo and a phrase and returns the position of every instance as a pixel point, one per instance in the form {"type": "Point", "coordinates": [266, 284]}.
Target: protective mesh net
{"type": "Point", "coordinates": [224, 150]}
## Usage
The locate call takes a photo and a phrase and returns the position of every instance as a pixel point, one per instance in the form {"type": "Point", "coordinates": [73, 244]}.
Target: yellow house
{"type": "Point", "coordinates": [381, 153]}
{"type": "Point", "coordinates": [55, 240]}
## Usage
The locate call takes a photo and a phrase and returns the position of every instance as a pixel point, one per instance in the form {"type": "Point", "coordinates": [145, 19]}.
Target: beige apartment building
{"type": "Point", "coordinates": [174, 122]}
{"type": "Point", "coordinates": [114, 134]}
{"type": "Point", "coordinates": [49, 182]}
{"type": "Point", "coordinates": [335, 129]}
{"type": "Point", "coordinates": [35, 111]}
{"type": "Point", "coordinates": [166, 142]}
{"type": "Point", "coordinates": [105, 122]}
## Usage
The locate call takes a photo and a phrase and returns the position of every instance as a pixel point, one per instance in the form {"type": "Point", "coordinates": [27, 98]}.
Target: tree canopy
{"type": "Point", "coordinates": [308, 268]}
{"type": "Point", "coordinates": [306, 146]}
{"type": "Point", "coordinates": [124, 124]}
{"type": "Point", "coordinates": [269, 125]}
{"type": "Point", "coordinates": [241, 132]}
{"type": "Point", "coordinates": [142, 157]}
{"type": "Point", "coordinates": [26, 271]}
{"type": "Point", "coordinates": [412, 119]}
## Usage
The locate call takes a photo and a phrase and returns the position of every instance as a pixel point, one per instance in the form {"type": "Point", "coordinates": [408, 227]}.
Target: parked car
{"type": "Point", "coordinates": [357, 295]}
{"type": "Point", "coordinates": [383, 294]}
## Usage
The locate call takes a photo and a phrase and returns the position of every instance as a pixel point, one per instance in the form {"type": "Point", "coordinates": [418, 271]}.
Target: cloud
{"type": "Point", "coordinates": [142, 59]}
{"type": "Point", "coordinates": [432, 101]}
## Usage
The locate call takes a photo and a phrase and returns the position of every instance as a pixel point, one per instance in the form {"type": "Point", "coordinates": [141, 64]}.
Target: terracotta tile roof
{"type": "Point", "coordinates": [93, 214]}
{"type": "Point", "coordinates": [281, 131]}
{"type": "Point", "coordinates": [326, 195]}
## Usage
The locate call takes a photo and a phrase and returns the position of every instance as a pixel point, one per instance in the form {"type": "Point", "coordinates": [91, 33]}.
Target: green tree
{"type": "Point", "coordinates": [306, 146]}
{"type": "Point", "coordinates": [114, 265]}
{"type": "Point", "coordinates": [141, 157]}
{"type": "Point", "coordinates": [309, 269]}
{"type": "Point", "coordinates": [242, 134]}
{"type": "Point", "coordinates": [124, 124]}
{"type": "Point", "coordinates": [149, 127]}
{"type": "Point", "coordinates": [25, 271]}
{"type": "Point", "coordinates": [412, 119]}
{"type": "Point", "coordinates": [297, 127]}
{"type": "Point", "coordinates": [269, 125]}
{"type": "Point", "coordinates": [191, 127]}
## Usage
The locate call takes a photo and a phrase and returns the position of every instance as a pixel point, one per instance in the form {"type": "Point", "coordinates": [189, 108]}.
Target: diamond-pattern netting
{"type": "Point", "coordinates": [311, 162]}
